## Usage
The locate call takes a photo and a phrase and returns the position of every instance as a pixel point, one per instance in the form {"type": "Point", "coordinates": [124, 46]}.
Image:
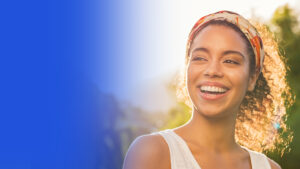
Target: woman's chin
{"type": "Point", "coordinates": [212, 114]}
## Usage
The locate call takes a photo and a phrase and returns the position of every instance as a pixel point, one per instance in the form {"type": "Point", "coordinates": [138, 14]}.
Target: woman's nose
{"type": "Point", "coordinates": [213, 69]}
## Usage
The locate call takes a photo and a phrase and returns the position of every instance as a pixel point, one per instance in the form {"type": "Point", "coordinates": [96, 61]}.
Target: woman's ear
{"type": "Point", "coordinates": [252, 81]}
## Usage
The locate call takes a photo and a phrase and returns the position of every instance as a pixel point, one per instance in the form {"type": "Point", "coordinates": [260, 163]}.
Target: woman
{"type": "Point", "coordinates": [238, 91]}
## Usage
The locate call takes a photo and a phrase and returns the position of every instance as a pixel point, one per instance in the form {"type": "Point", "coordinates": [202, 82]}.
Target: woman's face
{"type": "Point", "coordinates": [218, 71]}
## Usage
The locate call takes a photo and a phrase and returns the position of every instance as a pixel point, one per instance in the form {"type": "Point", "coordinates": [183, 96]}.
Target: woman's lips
{"type": "Point", "coordinates": [211, 96]}
{"type": "Point", "coordinates": [210, 83]}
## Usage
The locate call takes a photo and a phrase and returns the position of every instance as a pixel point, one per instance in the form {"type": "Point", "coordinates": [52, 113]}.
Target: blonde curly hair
{"type": "Point", "coordinates": [261, 121]}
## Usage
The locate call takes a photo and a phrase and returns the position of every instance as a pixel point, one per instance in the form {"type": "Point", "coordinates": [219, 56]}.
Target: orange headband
{"type": "Point", "coordinates": [243, 24]}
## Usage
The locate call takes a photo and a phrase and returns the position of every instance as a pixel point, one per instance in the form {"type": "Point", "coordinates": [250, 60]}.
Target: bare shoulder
{"type": "Point", "coordinates": [147, 152]}
{"type": "Point", "coordinates": [273, 164]}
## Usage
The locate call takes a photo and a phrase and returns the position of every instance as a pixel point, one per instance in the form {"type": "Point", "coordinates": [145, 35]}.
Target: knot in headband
{"type": "Point", "coordinates": [242, 23]}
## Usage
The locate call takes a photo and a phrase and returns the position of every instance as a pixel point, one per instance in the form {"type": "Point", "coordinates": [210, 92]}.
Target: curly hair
{"type": "Point", "coordinates": [261, 120]}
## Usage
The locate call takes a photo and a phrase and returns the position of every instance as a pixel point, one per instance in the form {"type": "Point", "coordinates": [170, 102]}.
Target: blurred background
{"type": "Point", "coordinates": [144, 98]}
{"type": "Point", "coordinates": [81, 79]}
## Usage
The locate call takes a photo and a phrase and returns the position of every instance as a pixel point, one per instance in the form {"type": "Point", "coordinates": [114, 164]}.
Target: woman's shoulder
{"type": "Point", "coordinates": [148, 151]}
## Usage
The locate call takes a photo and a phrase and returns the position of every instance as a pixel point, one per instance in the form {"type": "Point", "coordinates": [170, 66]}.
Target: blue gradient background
{"type": "Point", "coordinates": [53, 54]}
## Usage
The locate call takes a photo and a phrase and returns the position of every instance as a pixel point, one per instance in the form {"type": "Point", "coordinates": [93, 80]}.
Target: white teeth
{"type": "Point", "coordinates": [213, 89]}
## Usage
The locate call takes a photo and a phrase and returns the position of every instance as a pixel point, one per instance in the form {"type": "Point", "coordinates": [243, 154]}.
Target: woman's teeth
{"type": "Point", "coordinates": [213, 89]}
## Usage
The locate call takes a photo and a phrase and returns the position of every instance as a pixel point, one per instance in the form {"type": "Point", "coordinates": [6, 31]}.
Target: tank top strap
{"type": "Point", "coordinates": [182, 158]}
{"type": "Point", "coordinates": [179, 152]}
{"type": "Point", "coordinates": [258, 160]}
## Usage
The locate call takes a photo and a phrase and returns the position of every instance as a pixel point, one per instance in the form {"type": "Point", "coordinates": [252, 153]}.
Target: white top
{"type": "Point", "coordinates": [182, 157]}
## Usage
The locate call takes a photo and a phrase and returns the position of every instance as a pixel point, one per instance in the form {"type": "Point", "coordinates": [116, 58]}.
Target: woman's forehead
{"type": "Point", "coordinates": [217, 37]}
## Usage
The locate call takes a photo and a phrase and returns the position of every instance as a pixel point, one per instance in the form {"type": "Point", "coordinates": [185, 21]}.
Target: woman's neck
{"type": "Point", "coordinates": [215, 134]}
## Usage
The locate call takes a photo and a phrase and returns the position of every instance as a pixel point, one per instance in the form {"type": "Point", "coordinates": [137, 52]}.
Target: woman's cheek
{"type": "Point", "coordinates": [192, 76]}
{"type": "Point", "coordinates": [240, 80]}
{"type": "Point", "coordinates": [193, 71]}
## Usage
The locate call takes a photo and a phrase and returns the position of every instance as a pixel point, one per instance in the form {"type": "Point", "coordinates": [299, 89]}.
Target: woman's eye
{"type": "Point", "coordinates": [199, 58]}
{"type": "Point", "coordinates": [231, 61]}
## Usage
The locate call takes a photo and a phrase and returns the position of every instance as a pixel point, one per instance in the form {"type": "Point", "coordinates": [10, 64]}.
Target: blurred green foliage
{"type": "Point", "coordinates": [177, 116]}
{"type": "Point", "coordinates": [287, 32]}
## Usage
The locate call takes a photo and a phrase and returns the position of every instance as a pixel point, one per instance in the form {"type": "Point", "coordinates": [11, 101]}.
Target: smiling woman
{"type": "Point", "coordinates": [222, 67]}
{"type": "Point", "coordinates": [231, 72]}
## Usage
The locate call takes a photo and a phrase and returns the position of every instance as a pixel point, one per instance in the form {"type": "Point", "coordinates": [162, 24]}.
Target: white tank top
{"type": "Point", "coordinates": [182, 158]}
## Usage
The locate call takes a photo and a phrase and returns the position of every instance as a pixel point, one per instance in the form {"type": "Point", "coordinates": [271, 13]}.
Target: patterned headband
{"type": "Point", "coordinates": [243, 24]}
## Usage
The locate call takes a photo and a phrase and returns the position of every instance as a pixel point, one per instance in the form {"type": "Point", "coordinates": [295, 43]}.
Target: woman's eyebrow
{"type": "Point", "coordinates": [200, 49]}
{"type": "Point", "coordinates": [224, 53]}
{"type": "Point", "coordinates": [233, 52]}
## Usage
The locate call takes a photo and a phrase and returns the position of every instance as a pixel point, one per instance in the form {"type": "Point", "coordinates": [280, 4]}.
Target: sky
{"type": "Point", "coordinates": [155, 38]}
